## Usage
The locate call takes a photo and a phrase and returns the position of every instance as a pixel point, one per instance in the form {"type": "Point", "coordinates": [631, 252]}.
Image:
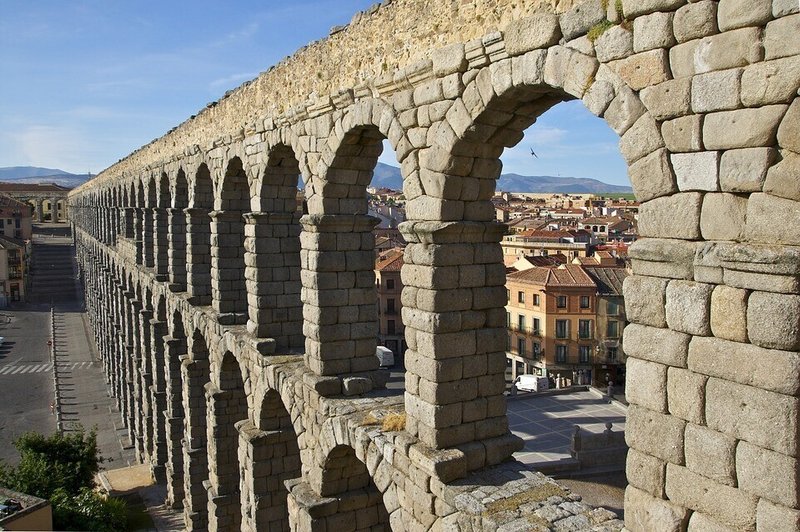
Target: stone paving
{"type": "Point", "coordinates": [546, 423]}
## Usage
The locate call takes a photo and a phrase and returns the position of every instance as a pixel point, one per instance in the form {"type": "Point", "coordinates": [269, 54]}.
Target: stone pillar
{"type": "Point", "coordinates": [228, 289]}
{"type": "Point", "coordinates": [54, 212]}
{"type": "Point", "coordinates": [198, 256]}
{"type": "Point", "coordinates": [340, 314]}
{"type": "Point", "coordinates": [194, 375]}
{"type": "Point", "coordinates": [158, 401]}
{"type": "Point", "coordinates": [139, 234]}
{"type": "Point", "coordinates": [225, 409]}
{"type": "Point", "coordinates": [161, 253]}
{"type": "Point", "coordinates": [39, 210]}
{"type": "Point", "coordinates": [455, 325]}
{"type": "Point", "coordinates": [128, 222]}
{"type": "Point", "coordinates": [145, 381]}
{"type": "Point", "coordinates": [113, 213]}
{"type": "Point", "coordinates": [174, 349]}
{"type": "Point", "coordinates": [272, 259]}
{"type": "Point", "coordinates": [176, 244]}
{"type": "Point", "coordinates": [267, 458]}
{"type": "Point", "coordinates": [148, 240]}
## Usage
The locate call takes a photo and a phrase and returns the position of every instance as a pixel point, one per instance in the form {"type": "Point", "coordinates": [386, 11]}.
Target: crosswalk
{"type": "Point", "coordinates": [14, 369]}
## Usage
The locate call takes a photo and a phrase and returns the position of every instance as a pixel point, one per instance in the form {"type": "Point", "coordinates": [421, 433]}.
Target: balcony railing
{"type": "Point", "coordinates": [524, 330]}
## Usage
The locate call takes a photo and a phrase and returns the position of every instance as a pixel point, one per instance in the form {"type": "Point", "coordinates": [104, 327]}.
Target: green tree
{"type": "Point", "coordinates": [61, 468]}
{"type": "Point", "coordinates": [47, 463]}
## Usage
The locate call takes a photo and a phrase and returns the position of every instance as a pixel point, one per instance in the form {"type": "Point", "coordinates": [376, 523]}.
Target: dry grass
{"type": "Point", "coordinates": [370, 419]}
{"type": "Point", "coordinates": [394, 422]}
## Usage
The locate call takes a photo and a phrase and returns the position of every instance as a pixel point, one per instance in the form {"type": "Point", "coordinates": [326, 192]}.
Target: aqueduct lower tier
{"type": "Point", "coordinates": [238, 334]}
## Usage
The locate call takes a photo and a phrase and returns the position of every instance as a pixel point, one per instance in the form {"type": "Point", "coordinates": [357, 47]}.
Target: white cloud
{"type": "Point", "coordinates": [48, 146]}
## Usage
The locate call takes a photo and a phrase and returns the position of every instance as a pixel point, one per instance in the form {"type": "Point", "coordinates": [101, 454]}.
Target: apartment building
{"type": "Point", "coordinates": [551, 315]}
{"type": "Point", "coordinates": [389, 287]}
{"type": "Point", "coordinates": [609, 360]}
{"type": "Point", "coordinates": [16, 230]}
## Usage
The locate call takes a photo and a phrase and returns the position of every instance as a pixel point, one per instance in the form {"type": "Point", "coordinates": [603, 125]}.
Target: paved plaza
{"type": "Point", "coordinates": [546, 423]}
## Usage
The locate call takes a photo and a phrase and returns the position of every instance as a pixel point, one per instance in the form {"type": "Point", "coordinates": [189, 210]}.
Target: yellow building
{"type": "Point", "coordinates": [551, 320]}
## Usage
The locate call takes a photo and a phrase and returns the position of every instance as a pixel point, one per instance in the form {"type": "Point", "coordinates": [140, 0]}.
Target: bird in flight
{"type": "Point", "coordinates": [534, 153]}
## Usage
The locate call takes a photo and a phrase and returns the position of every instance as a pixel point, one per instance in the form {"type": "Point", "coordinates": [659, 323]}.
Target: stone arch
{"type": "Point", "coordinates": [269, 456]}
{"type": "Point", "coordinates": [176, 352]}
{"type": "Point", "coordinates": [195, 374]}
{"type": "Point", "coordinates": [161, 227]}
{"type": "Point", "coordinates": [198, 240]}
{"type": "Point", "coordinates": [176, 234]}
{"type": "Point", "coordinates": [226, 405]}
{"type": "Point", "coordinates": [272, 252]}
{"type": "Point", "coordinates": [228, 287]}
{"type": "Point", "coordinates": [345, 477]}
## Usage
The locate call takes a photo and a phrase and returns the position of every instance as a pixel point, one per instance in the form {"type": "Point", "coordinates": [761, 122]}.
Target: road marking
{"type": "Point", "coordinates": [13, 369]}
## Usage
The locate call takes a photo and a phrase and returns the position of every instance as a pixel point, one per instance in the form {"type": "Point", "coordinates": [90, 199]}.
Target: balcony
{"type": "Point", "coordinates": [529, 331]}
{"type": "Point", "coordinates": [15, 273]}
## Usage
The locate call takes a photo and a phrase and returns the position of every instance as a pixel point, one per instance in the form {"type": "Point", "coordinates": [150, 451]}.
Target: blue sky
{"type": "Point", "coordinates": [85, 82]}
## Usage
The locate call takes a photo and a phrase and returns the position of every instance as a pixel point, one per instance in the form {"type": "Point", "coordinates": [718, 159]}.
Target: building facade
{"type": "Point", "coordinates": [389, 286]}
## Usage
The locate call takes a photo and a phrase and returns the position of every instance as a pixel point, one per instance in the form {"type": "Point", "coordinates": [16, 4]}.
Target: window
{"type": "Point", "coordinates": [612, 329]}
{"type": "Point", "coordinates": [508, 342]}
{"type": "Point", "coordinates": [390, 327]}
{"type": "Point", "coordinates": [508, 320]}
{"type": "Point", "coordinates": [390, 284]}
{"type": "Point", "coordinates": [561, 301]}
{"type": "Point", "coordinates": [536, 299]}
{"type": "Point", "coordinates": [508, 294]}
{"type": "Point", "coordinates": [537, 326]}
{"type": "Point", "coordinates": [521, 346]}
{"type": "Point", "coordinates": [612, 308]}
{"type": "Point", "coordinates": [390, 306]}
{"type": "Point", "coordinates": [521, 297]}
{"type": "Point", "coordinates": [611, 353]}
{"type": "Point", "coordinates": [561, 353]}
{"type": "Point", "coordinates": [584, 301]}
{"type": "Point", "coordinates": [585, 329]}
{"type": "Point", "coordinates": [16, 223]}
{"type": "Point", "coordinates": [562, 328]}
{"type": "Point", "coordinates": [521, 322]}
{"type": "Point", "coordinates": [583, 354]}
{"type": "Point", "coordinates": [537, 350]}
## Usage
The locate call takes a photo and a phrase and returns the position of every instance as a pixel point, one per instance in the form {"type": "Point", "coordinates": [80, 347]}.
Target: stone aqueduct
{"type": "Point", "coordinates": [238, 334]}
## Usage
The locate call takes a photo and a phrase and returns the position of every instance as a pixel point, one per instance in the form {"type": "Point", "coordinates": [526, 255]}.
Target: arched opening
{"type": "Point", "coordinates": [158, 389]}
{"type": "Point", "coordinates": [195, 373]}
{"type": "Point", "coordinates": [198, 238]}
{"type": "Point", "coordinates": [227, 405]}
{"type": "Point", "coordinates": [161, 228]}
{"type": "Point", "coordinates": [338, 206]}
{"type": "Point", "coordinates": [148, 223]}
{"type": "Point", "coordinates": [346, 478]}
{"type": "Point", "coordinates": [270, 456]}
{"type": "Point", "coordinates": [176, 351]}
{"type": "Point", "coordinates": [176, 220]}
{"type": "Point", "coordinates": [139, 221]}
{"type": "Point", "coordinates": [272, 253]}
{"type": "Point", "coordinates": [228, 287]}
{"type": "Point", "coordinates": [145, 355]}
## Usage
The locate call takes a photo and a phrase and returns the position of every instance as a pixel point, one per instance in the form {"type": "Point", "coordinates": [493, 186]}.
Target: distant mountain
{"type": "Point", "coordinates": [389, 177]}
{"type": "Point", "coordinates": [14, 172]}
{"type": "Point", "coordinates": [35, 174]}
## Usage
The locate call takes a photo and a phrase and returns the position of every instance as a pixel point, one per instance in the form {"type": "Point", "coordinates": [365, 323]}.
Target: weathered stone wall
{"type": "Point", "coordinates": [704, 96]}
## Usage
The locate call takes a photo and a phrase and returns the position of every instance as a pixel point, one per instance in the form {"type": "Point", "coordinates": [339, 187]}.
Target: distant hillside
{"type": "Point", "coordinates": [14, 172]}
{"type": "Point", "coordinates": [35, 174]}
{"type": "Point", "coordinates": [389, 177]}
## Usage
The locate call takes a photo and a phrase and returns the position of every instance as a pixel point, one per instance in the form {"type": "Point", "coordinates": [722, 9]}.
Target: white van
{"type": "Point", "coordinates": [531, 383]}
{"type": "Point", "coordinates": [385, 356]}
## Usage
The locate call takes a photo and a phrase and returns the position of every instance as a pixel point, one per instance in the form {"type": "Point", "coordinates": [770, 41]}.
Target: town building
{"type": "Point", "coordinates": [389, 287]}
{"type": "Point", "coordinates": [609, 360]}
{"type": "Point", "coordinates": [570, 243]}
{"type": "Point", "coordinates": [550, 316]}
{"type": "Point", "coordinates": [16, 231]}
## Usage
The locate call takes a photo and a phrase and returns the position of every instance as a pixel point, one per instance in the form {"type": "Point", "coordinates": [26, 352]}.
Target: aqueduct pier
{"type": "Point", "coordinates": [238, 334]}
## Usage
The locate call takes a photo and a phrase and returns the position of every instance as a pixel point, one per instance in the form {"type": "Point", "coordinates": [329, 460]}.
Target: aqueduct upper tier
{"type": "Point", "coordinates": [238, 334]}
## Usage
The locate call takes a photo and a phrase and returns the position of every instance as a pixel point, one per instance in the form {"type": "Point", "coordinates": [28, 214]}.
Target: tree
{"type": "Point", "coordinates": [61, 468]}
